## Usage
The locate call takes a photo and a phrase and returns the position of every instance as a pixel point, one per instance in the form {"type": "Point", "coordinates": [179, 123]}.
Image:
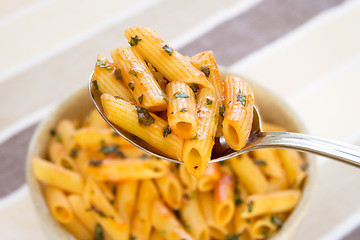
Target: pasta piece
{"type": "Point", "coordinates": [76, 228]}
{"type": "Point", "coordinates": [57, 176]}
{"type": "Point", "coordinates": [118, 170]}
{"type": "Point", "coordinates": [181, 112]}
{"type": "Point", "coordinates": [240, 224]}
{"type": "Point", "coordinates": [162, 81]}
{"type": "Point", "coordinates": [194, 220]}
{"type": "Point", "coordinates": [166, 223]}
{"type": "Point", "coordinates": [239, 103]}
{"type": "Point", "coordinates": [109, 79]}
{"type": "Point", "coordinates": [58, 154]}
{"type": "Point", "coordinates": [208, 180]}
{"type": "Point", "coordinates": [95, 120]}
{"type": "Point", "coordinates": [269, 162]}
{"type": "Point", "coordinates": [249, 174]}
{"type": "Point", "coordinates": [126, 192]}
{"type": "Point", "coordinates": [65, 133]}
{"type": "Point", "coordinates": [171, 190]}
{"type": "Point", "coordinates": [273, 202]}
{"type": "Point", "coordinates": [107, 191]}
{"type": "Point", "coordinates": [294, 165]}
{"type": "Point", "coordinates": [224, 199]}
{"type": "Point", "coordinates": [270, 127]}
{"type": "Point", "coordinates": [197, 152]}
{"type": "Point", "coordinates": [276, 184]}
{"type": "Point", "coordinates": [136, 75]}
{"type": "Point", "coordinates": [155, 235]}
{"type": "Point", "coordinates": [85, 217]}
{"type": "Point", "coordinates": [173, 65]}
{"type": "Point", "coordinates": [105, 214]}
{"type": "Point", "coordinates": [58, 204]}
{"type": "Point", "coordinates": [206, 203]}
{"type": "Point", "coordinates": [141, 223]}
{"type": "Point", "coordinates": [189, 181]}
{"type": "Point", "coordinates": [143, 124]}
{"type": "Point", "coordinates": [262, 228]}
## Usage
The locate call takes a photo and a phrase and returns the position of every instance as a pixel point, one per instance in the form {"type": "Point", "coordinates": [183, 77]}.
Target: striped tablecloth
{"type": "Point", "coordinates": [306, 51]}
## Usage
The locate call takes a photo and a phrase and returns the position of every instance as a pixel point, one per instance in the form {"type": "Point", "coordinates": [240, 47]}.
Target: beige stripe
{"type": "Point", "coordinates": [9, 7]}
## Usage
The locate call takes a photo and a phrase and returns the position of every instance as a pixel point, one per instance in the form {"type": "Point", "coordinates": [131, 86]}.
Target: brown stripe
{"type": "Point", "coordinates": [259, 26]}
{"type": "Point", "coordinates": [12, 164]}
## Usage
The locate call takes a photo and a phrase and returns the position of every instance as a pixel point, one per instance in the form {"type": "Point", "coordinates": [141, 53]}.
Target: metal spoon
{"type": "Point", "coordinates": [336, 150]}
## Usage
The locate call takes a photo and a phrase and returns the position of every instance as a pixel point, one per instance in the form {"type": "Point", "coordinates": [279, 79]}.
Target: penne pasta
{"type": "Point", "coordinates": [155, 235]}
{"type": "Point", "coordinates": [125, 197]}
{"type": "Point", "coordinates": [208, 180]}
{"type": "Point", "coordinates": [188, 180]}
{"type": "Point", "coordinates": [239, 103]}
{"type": "Point", "coordinates": [197, 152]}
{"type": "Point", "coordinates": [294, 166]}
{"type": "Point", "coordinates": [269, 162]}
{"type": "Point", "coordinates": [143, 124]}
{"type": "Point", "coordinates": [262, 228]}
{"type": "Point", "coordinates": [58, 204]}
{"type": "Point", "coordinates": [57, 176]}
{"type": "Point", "coordinates": [181, 112]}
{"type": "Point", "coordinates": [171, 190]}
{"type": "Point", "coordinates": [76, 228]}
{"type": "Point", "coordinates": [95, 120]}
{"type": "Point", "coordinates": [224, 205]}
{"type": "Point", "coordinates": [108, 79]}
{"type": "Point", "coordinates": [141, 83]}
{"type": "Point", "coordinates": [173, 65]}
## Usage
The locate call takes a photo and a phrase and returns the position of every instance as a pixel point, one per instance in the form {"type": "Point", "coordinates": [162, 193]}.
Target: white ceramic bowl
{"type": "Point", "coordinates": [78, 104]}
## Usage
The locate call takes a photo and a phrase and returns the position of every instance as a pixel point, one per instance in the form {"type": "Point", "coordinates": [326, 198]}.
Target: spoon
{"type": "Point", "coordinates": [257, 140]}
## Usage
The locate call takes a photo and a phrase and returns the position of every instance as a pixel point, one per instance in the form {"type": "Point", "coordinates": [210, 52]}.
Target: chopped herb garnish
{"type": "Point", "coordinates": [260, 162]}
{"type": "Point", "coordinates": [102, 142]}
{"type": "Point", "coordinates": [58, 137]}
{"type": "Point", "coordinates": [134, 40]}
{"type": "Point", "coordinates": [193, 195]}
{"type": "Point", "coordinates": [240, 97]}
{"type": "Point", "coordinates": [205, 70]}
{"type": "Point", "coordinates": [194, 87]}
{"type": "Point", "coordinates": [186, 226]}
{"type": "Point", "coordinates": [162, 232]}
{"type": "Point", "coordinates": [208, 102]}
{"type": "Point", "coordinates": [112, 149]}
{"type": "Point", "coordinates": [99, 233]}
{"type": "Point", "coordinates": [52, 132]}
{"type": "Point", "coordinates": [132, 71]}
{"type": "Point", "coordinates": [144, 156]}
{"type": "Point", "coordinates": [222, 110]}
{"type": "Point", "coordinates": [180, 95]}
{"type": "Point", "coordinates": [250, 206]}
{"type": "Point", "coordinates": [95, 162]}
{"type": "Point", "coordinates": [172, 112]}
{"type": "Point", "coordinates": [103, 64]}
{"type": "Point", "coordinates": [131, 86]}
{"type": "Point", "coordinates": [74, 152]}
{"type": "Point", "coordinates": [97, 211]}
{"type": "Point", "coordinates": [166, 131]}
{"type": "Point", "coordinates": [275, 220]}
{"type": "Point", "coordinates": [117, 73]}
{"type": "Point", "coordinates": [141, 98]}
{"type": "Point", "coordinates": [196, 167]}
{"type": "Point", "coordinates": [95, 85]}
{"type": "Point", "coordinates": [118, 97]}
{"type": "Point", "coordinates": [66, 164]}
{"type": "Point", "coordinates": [144, 116]}
{"type": "Point", "coordinates": [168, 49]}
{"type": "Point", "coordinates": [265, 233]}
{"type": "Point", "coordinates": [132, 238]}
{"type": "Point", "coordinates": [304, 166]}
{"type": "Point", "coordinates": [237, 197]}
{"type": "Point", "coordinates": [234, 236]}
{"type": "Point", "coordinates": [183, 110]}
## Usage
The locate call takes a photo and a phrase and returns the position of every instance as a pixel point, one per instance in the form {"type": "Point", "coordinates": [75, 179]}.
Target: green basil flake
{"type": "Point", "coordinates": [99, 233]}
{"type": "Point", "coordinates": [166, 131]}
{"type": "Point", "coordinates": [168, 49]}
{"type": "Point", "coordinates": [144, 116]}
{"type": "Point", "coordinates": [194, 87]}
{"type": "Point", "coordinates": [180, 95]}
{"type": "Point", "coordinates": [240, 97]}
{"type": "Point", "coordinates": [265, 233]}
{"type": "Point", "coordinates": [275, 220]}
{"type": "Point", "coordinates": [186, 226]}
{"type": "Point", "coordinates": [95, 163]}
{"type": "Point", "coordinates": [196, 167]}
{"type": "Point", "coordinates": [250, 206]}
{"type": "Point", "coordinates": [133, 72]}
{"type": "Point", "coordinates": [260, 162]}
{"type": "Point", "coordinates": [103, 64]}
{"type": "Point", "coordinates": [193, 195]}
{"type": "Point", "coordinates": [132, 238]}
{"type": "Point", "coordinates": [118, 97]}
{"type": "Point", "coordinates": [112, 149]}
{"type": "Point", "coordinates": [66, 164]}
{"type": "Point", "coordinates": [74, 152]}
{"type": "Point", "coordinates": [208, 102]}
{"type": "Point", "coordinates": [95, 85]}
{"type": "Point", "coordinates": [237, 199]}
{"type": "Point", "coordinates": [162, 232]}
{"type": "Point", "coordinates": [117, 73]}
{"type": "Point", "coordinates": [222, 110]}
{"type": "Point", "coordinates": [234, 236]}
{"type": "Point", "coordinates": [97, 211]}
{"type": "Point", "coordinates": [134, 40]}
{"type": "Point", "coordinates": [144, 156]}
{"type": "Point", "coordinates": [304, 166]}
{"type": "Point", "coordinates": [131, 86]}
{"type": "Point", "coordinates": [58, 137]}
{"type": "Point", "coordinates": [141, 98]}
{"type": "Point", "coordinates": [183, 110]}
{"type": "Point", "coordinates": [205, 70]}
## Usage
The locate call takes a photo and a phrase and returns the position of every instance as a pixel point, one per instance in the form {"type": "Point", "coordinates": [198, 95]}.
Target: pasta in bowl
{"type": "Point", "coordinates": [164, 202]}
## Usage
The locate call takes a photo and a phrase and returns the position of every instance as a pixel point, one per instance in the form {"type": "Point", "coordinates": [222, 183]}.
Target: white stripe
{"type": "Point", "coordinates": [24, 11]}
{"type": "Point", "coordinates": [10, 199]}
{"type": "Point", "coordinates": [211, 22]}
{"type": "Point", "coordinates": [25, 122]}
{"type": "Point", "coordinates": [96, 29]}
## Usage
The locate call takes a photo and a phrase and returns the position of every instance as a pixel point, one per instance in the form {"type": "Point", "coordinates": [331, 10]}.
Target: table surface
{"type": "Point", "coordinates": [307, 52]}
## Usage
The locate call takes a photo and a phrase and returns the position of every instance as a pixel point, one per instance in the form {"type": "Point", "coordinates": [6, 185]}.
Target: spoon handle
{"type": "Point", "coordinates": [336, 150]}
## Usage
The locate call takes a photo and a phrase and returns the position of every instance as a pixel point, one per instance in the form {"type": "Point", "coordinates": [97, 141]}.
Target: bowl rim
{"type": "Point", "coordinates": [290, 226]}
